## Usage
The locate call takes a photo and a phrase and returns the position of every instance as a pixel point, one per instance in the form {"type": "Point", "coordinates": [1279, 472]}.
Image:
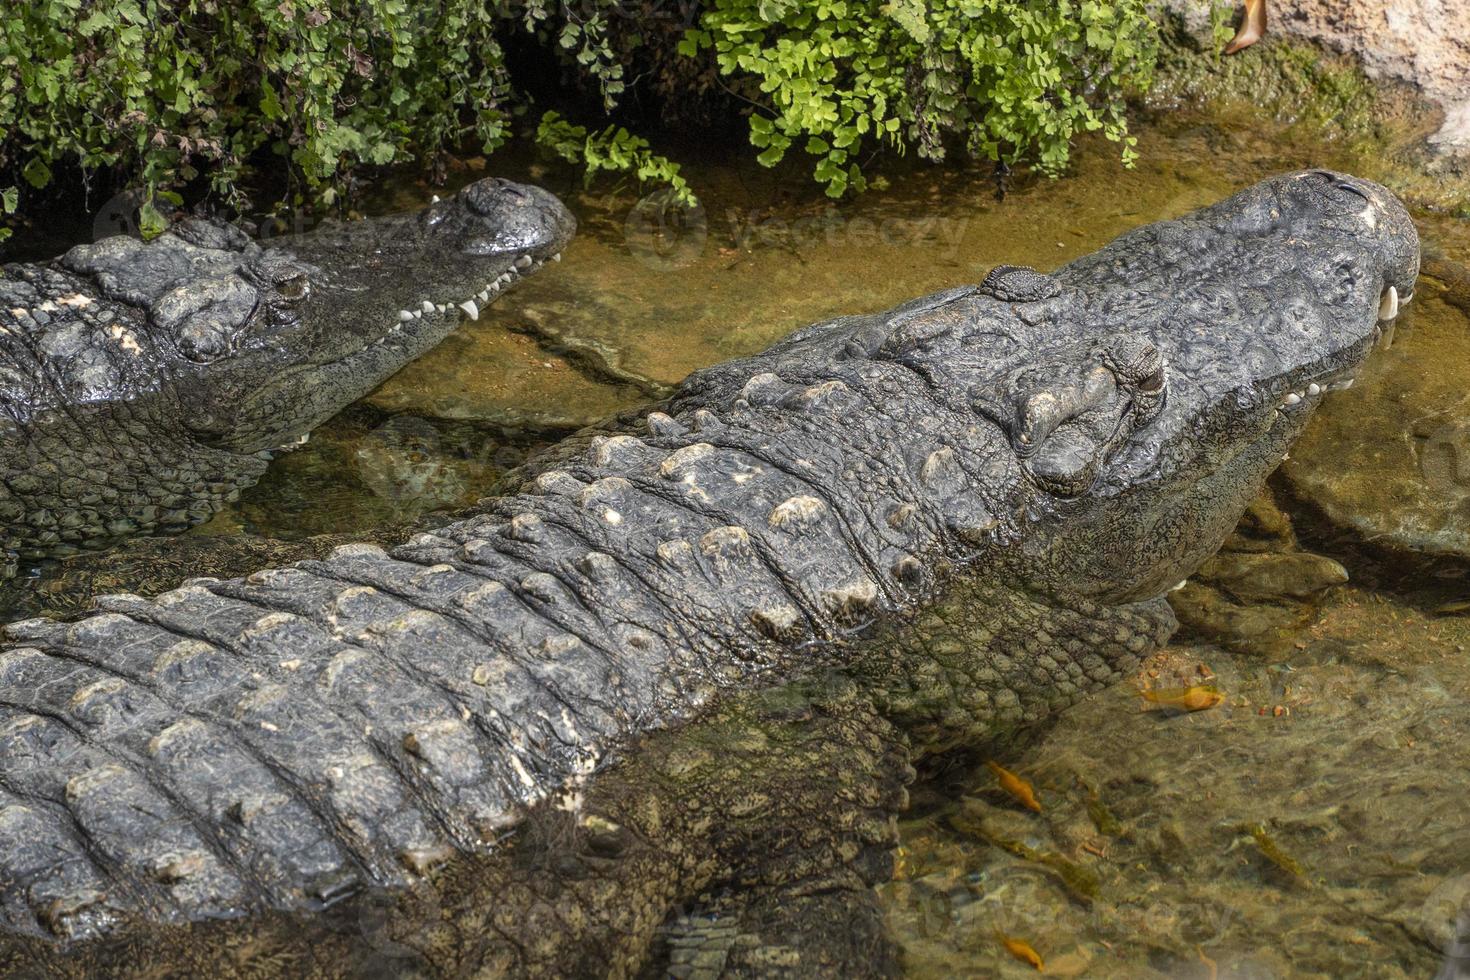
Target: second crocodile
{"type": "Point", "coordinates": [144, 384]}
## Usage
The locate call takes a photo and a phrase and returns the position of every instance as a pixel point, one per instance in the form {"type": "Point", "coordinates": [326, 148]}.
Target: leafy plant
{"type": "Point", "coordinates": [162, 92]}
{"type": "Point", "coordinates": [165, 90]}
{"type": "Point", "coordinates": [1007, 80]}
{"type": "Point", "coordinates": [613, 149]}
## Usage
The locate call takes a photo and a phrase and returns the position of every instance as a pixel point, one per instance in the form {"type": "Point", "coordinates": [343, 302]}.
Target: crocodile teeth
{"type": "Point", "coordinates": [426, 307]}
{"type": "Point", "coordinates": [1291, 399]}
{"type": "Point", "coordinates": [1342, 385]}
{"type": "Point", "coordinates": [483, 295]}
{"type": "Point", "coordinates": [556, 257]}
{"type": "Point", "coordinates": [1388, 303]}
{"type": "Point", "coordinates": [469, 307]}
{"type": "Point", "coordinates": [434, 199]}
{"type": "Point", "coordinates": [418, 314]}
{"type": "Point", "coordinates": [1314, 389]}
{"type": "Point", "coordinates": [405, 315]}
{"type": "Point", "coordinates": [523, 262]}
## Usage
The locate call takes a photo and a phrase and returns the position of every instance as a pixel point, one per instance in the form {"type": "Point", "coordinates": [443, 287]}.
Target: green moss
{"type": "Point", "coordinates": [1080, 882]}
{"type": "Point", "coordinates": [1320, 99]}
{"type": "Point", "coordinates": [1102, 818]}
{"type": "Point", "coordinates": [1290, 82]}
{"type": "Point", "coordinates": [1273, 852]}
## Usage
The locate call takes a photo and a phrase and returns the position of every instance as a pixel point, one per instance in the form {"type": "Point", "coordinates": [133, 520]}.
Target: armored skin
{"type": "Point", "coordinates": [143, 385]}
{"type": "Point", "coordinates": [655, 708]}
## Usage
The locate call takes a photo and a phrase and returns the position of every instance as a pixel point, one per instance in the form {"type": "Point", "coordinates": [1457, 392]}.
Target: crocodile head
{"type": "Point", "coordinates": [1147, 400]}
{"type": "Point", "coordinates": [258, 345]}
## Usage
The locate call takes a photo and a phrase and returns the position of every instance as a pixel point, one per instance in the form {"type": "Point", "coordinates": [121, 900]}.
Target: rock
{"type": "Point", "coordinates": [1425, 43]}
{"type": "Point", "coordinates": [1263, 628]}
{"type": "Point", "coordinates": [1261, 590]}
{"type": "Point", "coordinates": [1253, 575]}
{"type": "Point", "coordinates": [1391, 461]}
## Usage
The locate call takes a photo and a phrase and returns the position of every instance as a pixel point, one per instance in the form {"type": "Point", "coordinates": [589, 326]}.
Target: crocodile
{"type": "Point", "coordinates": [653, 710]}
{"type": "Point", "coordinates": [142, 385]}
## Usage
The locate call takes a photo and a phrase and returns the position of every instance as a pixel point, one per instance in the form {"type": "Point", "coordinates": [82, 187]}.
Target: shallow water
{"type": "Point", "coordinates": [1313, 824]}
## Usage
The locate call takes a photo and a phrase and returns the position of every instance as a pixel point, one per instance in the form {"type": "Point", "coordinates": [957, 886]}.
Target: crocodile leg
{"type": "Point", "coordinates": [809, 832]}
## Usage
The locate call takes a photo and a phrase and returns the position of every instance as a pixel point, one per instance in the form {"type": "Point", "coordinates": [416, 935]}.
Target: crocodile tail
{"type": "Point", "coordinates": [277, 741]}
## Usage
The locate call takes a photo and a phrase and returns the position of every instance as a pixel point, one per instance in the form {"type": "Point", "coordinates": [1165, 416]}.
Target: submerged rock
{"type": "Point", "coordinates": [1312, 824]}
{"type": "Point", "coordinates": [1391, 462]}
{"type": "Point", "coordinates": [1261, 590]}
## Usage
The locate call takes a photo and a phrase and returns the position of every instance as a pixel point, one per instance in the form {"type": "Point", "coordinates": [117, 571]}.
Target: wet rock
{"type": "Point", "coordinates": [591, 355]}
{"type": "Point", "coordinates": [1265, 628]}
{"type": "Point", "coordinates": [1421, 42]}
{"type": "Point", "coordinates": [1391, 461]}
{"type": "Point", "coordinates": [1261, 590]}
{"type": "Point", "coordinates": [362, 471]}
{"type": "Point", "coordinates": [1257, 575]}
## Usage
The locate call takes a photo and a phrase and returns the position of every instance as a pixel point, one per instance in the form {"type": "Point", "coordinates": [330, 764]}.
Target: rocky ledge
{"type": "Point", "coordinates": [1425, 43]}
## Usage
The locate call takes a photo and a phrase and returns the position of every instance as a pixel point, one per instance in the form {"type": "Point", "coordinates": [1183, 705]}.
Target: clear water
{"type": "Point", "coordinates": [1313, 824]}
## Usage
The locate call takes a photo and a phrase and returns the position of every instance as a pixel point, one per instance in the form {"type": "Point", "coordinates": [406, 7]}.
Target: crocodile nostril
{"type": "Point", "coordinates": [295, 288]}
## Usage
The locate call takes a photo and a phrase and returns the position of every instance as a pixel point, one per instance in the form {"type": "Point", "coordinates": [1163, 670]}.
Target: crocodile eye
{"type": "Point", "coordinates": [1152, 382]}
{"type": "Point", "coordinates": [295, 288]}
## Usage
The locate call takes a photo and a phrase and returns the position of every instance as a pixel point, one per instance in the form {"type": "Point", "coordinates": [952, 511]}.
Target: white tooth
{"type": "Point", "coordinates": [426, 307]}
{"type": "Point", "coordinates": [440, 307]}
{"type": "Point", "coordinates": [469, 307]}
{"type": "Point", "coordinates": [1182, 584]}
{"type": "Point", "coordinates": [556, 257]}
{"type": "Point", "coordinates": [434, 199]}
{"type": "Point", "coordinates": [404, 316]}
{"type": "Point", "coordinates": [1292, 398]}
{"type": "Point", "coordinates": [483, 296]}
{"type": "Point", "coordinates": [1388, 304]}
{"type": "Point", "coordinates": [1314, 389]}
{"type": "Point", "coordinates": [1345, 384]}
{"type": "Point", "coordinates": [418, 314]}
{"type": "Point", "coordinates": [524, 262]}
